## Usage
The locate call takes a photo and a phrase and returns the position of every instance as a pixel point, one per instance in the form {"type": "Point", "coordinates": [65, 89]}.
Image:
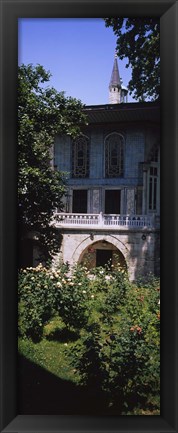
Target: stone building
{"type": "Point", "coordinates": [112, 207]}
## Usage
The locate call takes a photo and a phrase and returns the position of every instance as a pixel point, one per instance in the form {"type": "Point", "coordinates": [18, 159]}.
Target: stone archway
{"type": "Point", "coordinates": [104, 250]}
{"type": "Point", "coordinates": [102, 253]}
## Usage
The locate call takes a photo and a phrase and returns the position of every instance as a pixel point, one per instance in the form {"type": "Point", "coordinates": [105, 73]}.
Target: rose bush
{"type": "Point", "coordinates": [38, 296]}
{"type": "Point", "coordinates": [44, 293]}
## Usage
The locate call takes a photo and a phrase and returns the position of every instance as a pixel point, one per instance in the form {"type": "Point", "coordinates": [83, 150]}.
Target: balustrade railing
{"type": "Point", "coordinates": [103, 220]}
{"type": "Point", "coordinates": [128, 221]}
{"type": "Point", "coordinates": [77, 219]}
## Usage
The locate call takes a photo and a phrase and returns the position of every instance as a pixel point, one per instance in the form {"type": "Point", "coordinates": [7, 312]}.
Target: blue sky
{"type": "Point", "coordinates": [79, 53]}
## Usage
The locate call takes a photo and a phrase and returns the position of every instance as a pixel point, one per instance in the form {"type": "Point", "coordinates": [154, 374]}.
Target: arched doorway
{"type": "Point", "coordinates": [102, 253]}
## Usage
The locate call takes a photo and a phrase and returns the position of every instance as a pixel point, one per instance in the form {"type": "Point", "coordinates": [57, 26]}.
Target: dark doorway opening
{"type": "Point", "coordinates": [112, 201]}
{"type": "Point", "coordinates": [103, 257]}
{"type": "Point", "coordinates": [79, 201]}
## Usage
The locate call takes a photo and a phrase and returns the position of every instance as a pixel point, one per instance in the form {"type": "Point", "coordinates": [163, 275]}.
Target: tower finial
{"type": "Point", "coordinates": [117, 92]}
{"type": "Point", "coordinates": [115, 84]}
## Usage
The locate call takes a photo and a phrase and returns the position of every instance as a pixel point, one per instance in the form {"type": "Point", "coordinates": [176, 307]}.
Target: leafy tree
{"type": "Point", "coordinates": [42, 114]}
{"type": "Point", "coordinates": [138, 39]}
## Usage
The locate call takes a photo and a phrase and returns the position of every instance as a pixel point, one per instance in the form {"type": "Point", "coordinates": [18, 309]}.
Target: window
{"type": "Point", "coordinates": [80, 157]}
{"type": "Point", "coordinates": [153, 179]}
{"type": "Point", "coordinates": [112, 201]}
{"type": "Point", "coordinates": [114, 160]}
{"type": "Point", "coordinates": [80, 201]}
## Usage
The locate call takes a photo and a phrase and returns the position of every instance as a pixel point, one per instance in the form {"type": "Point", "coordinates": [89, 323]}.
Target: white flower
{"type": "Point", "coordinates": [92, 296]}
{"type": "Point", "coordinates": [84, 291]}
{"type": "Point", "coordinates": [59, 284]}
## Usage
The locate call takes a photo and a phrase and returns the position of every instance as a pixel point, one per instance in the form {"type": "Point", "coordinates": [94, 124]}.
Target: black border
{"type": "Point", "coordinates": [168, 13]}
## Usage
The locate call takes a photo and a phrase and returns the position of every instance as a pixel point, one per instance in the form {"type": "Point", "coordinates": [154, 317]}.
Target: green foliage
{"type": "Point", "coordinates": [50, 355]}
{"type": "Point", "coordinates": [110, 328]}
{"type": "Point", "coordinates": [44, 293]}
{"type": "Point", "coordinates": [122, 349]}
{"type": "Point", "coordinates": [54, 326]}
{"type": "Point", "coordinates": [138, 40]}
{"type": "Point", "coordinates": [38, 296]}
{"type": "Point", "coordinates": [117, 284]}
{"type": "Point", "coordinates": [87, 358]}
{"type": "Point", "coordinates": [73, 305]}
{"type": "Point", "coordinates": [135, 357]}
{"type": "Point", "coordinates": [42, 114]}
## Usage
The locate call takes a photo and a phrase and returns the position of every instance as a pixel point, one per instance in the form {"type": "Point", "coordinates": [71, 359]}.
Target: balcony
{"type": "Point", "coordinates": [103, 221]}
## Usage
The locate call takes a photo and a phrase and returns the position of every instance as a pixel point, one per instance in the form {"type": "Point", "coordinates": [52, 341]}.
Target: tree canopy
{"type": "Point", "coordinates": [43, 113]}
{"type": "Point", "coordinates": [138, 40]}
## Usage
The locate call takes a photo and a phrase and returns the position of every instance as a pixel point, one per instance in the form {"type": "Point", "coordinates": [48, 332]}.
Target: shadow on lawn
{"type": "Point", "coordinates": [42, 393]}
{"type": "Point", "coordinates": [62, 335]}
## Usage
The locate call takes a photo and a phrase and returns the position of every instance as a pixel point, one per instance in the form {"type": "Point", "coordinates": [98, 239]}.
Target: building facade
{"type": "Point", "coordinates": [112, 207]}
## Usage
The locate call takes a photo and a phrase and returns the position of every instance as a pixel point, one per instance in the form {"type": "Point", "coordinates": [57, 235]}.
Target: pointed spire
{"type": "Point", "coordinates": [115, 80]}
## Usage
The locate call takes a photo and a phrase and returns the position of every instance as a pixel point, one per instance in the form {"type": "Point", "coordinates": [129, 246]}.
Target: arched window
{"type": "Point", "coordinates": [80, 157]}
{"type": "Point", "coordinates": [114, 155]}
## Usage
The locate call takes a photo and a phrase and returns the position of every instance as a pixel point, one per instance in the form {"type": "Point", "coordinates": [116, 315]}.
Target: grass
{"type": "Point", "coordinates": [53, 352]}
{"type": "Point", "coordinates": [48, 384]}
{"type": "Point", "coordinates": [50, 353]}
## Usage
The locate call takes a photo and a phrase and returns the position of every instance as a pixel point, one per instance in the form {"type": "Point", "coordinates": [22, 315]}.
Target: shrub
{"type": "Point", "coordinates": [123, 359]}
{"type": "Point", "coordinates": [135, 360]}
{"type": "Point", "coordinates": [117, 283]}
{"type": "Point", "coordinates": [87, 357]}
{"type": "Point", "coordinates": [134, 379]}
{"type": "Point", "coordinates": [73, 303]}
{"type": "Point", "coordinates": [38, 294]}
{"type": "Point", "coordinates": [43, 293]}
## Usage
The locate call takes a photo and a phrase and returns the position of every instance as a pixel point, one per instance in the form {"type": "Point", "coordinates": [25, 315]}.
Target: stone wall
{"type": "Point", "coordinates": [137, 247]}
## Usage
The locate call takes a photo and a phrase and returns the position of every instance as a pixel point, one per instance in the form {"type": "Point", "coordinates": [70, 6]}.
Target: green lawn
{"type": "Point", "coordinates": [48, 383]}
{"type": "Point", "coordinates": [51, 353]}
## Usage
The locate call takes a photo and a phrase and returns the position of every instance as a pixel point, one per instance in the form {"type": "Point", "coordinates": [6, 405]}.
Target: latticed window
{"type": "Point", "coordinates": [114, 155]}
{"type": "Point", "coordinates": [80, 157]}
